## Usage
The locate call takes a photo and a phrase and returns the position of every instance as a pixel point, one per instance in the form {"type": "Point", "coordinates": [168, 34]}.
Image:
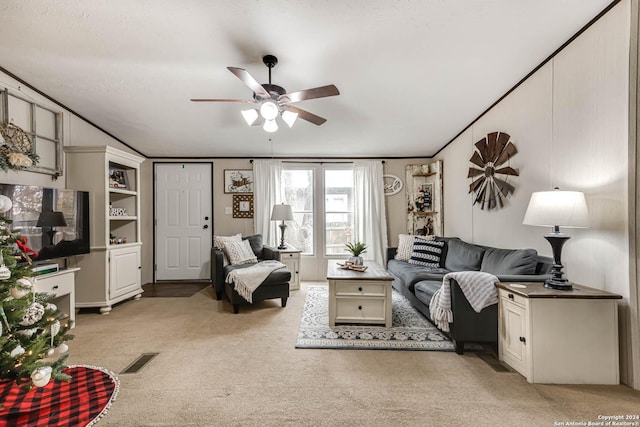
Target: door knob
{"type": "Point", "coordinates": [205, 226]}
{"type": "Point", "coordinates": [206, 218]}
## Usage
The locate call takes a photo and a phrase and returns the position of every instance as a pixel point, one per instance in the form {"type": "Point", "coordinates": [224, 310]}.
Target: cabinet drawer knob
{"type": "Point", "coordinates": [359, 307]}
{"type": "Point", "coordinates": [360, 289]}
{"type": "Point", "coordinates": [510, 296]}
{"type": "Point", "coordinates": [55, 287]}
{"type": "Point", "coordinates": [523, 340]}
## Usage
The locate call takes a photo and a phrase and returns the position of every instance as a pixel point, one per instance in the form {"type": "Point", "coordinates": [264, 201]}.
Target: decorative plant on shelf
{"type": "Point", "coordinates": [356, 249]}
{"type": "Point", "coordinates": [31, 327]}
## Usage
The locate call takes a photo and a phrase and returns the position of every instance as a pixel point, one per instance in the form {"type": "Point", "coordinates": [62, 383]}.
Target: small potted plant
{"type": "Point", "coordinates": [356, 248]}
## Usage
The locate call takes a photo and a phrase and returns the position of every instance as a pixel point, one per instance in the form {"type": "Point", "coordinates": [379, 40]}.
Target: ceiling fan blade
{"type": "Point", "coordinates": [305, 115]}
{"type": "Point", "coordinates": [222, 100]}
{"type": "Point", "coordinates": [316, 92]}
{"type": "Point", "coordinates": [507, 171]}
{"type": "Point", "coordinates": [252, 83]}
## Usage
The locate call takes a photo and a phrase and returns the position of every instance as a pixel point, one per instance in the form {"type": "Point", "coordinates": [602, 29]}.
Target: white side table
{"type": "Point", "coordinates": [62, 285]}
{"type": "Point", "coordinates": [559, 337]}
{"type": "Point", "coordinates": [291, 258]}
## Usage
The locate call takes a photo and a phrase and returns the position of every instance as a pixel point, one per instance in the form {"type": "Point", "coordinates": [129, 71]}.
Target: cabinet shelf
{"type": "Point", "coordinates": [424, 213]}
{"type": "Point", "coordinates": [123, 218]}
{"type": "Point", "coordinates": [424, 174]}
{"type": "Point", "coordinates": [123, 191]}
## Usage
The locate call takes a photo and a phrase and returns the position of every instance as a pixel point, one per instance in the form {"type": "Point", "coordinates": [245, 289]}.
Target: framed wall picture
{"type": "Point", "coordinates": [243, 206]}
{"type": "Point", "coordinates": [118, 178]}
{"type": "Point", "coordinates": [238, 181]}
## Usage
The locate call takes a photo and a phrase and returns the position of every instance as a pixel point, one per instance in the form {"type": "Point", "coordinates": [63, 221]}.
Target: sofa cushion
{"type": "Point", "coordinates": [218, 243]}
{"type": "Point", "coordinates": [425, 289]}
{"type": "Point", "coordinates": [463, 256]}
{"type": "Point", "coordinates": [426, 253]}
{"type": "Point", "coordinates": [256, 244]}
{"type": "Point", "coordinates": [509, 261]}
{"type": "Point", "coordinates": [409, 274]}
{"type": "Point", "coordinates": [405, 245]}
{"type": "Point", "coordinates": [240, 252]}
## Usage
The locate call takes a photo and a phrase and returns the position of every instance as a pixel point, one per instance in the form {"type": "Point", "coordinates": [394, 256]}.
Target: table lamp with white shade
{"type": "Point", "coordinates": [282, 213]}
{"type": "Point", "coordinates": [557, 209]}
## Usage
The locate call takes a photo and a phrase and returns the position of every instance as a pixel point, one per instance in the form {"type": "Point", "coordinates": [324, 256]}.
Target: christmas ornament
{"type": "Point", "coordinates": [41, 376]}
{"type": "Point", "coordinates": [55, 328]}
{"type": "Point", "coordinates": [51, 307]}
{"type": "Point", "coordinates": [51, 352]}
{"type": "Point", "coordinates": [27, 332]}
{"type": "Point", "coordinates": [18, 292]}
{"type": "Point", "coordinates": [32, 314]}
{"type": "Point", "coordinates": [5, 203]}
{"type": "Point", "coordinates": [63, 348]}
{"type": "Point", "coordinates": [17, 351]}
{"type": "Point", "coordinates": [5, 273]}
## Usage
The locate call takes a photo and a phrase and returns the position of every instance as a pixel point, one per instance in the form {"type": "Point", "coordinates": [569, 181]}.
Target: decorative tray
{"type": "Point", "coordinates": [354, 267]}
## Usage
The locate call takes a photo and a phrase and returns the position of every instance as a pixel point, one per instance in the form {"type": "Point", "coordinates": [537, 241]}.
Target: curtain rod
{"type": "Point", "coordinates": [320, 162]}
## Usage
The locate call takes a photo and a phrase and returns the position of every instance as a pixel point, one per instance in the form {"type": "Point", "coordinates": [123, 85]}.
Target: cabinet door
{"type": "Point", "coordinates": [513, 335]}
{"type": "Point", "coordinates": [124, 271]}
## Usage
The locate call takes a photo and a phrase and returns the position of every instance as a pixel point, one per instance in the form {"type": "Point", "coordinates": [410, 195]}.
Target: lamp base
{"type": "Point", "coordinates": [562, 285]}
{"type": "Point", "coordinates": [283, 227]}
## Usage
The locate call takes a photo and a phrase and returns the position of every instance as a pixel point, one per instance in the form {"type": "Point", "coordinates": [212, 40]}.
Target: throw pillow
{"type": "Point", "coordinates": [256, 244]}
{"type": "Point", "coordinates": [405, 245]}
{"type": "Point", "coordinates": [426, 253]}
{"type": "Point", "coordinates": [218, 243]}
{"type": "Point", "coordinates": [240, 252]}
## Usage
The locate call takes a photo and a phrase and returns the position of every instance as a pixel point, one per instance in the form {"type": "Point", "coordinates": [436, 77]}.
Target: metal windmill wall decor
{"type": "Point", "coordinates": [490, 180]}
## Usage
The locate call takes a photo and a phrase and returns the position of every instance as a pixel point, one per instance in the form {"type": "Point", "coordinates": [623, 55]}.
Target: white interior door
{"type": "Point", "coordinates": [183, 221]}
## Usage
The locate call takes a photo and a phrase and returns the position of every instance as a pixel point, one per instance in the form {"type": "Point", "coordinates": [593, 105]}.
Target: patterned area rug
{"type": "Point", "coordinates": [409, 331]}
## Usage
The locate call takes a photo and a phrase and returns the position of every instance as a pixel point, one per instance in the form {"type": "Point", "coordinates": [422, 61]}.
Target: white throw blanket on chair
{"type": "Point", "coordinates": [246, 280]}
{"type": "Point", "coordinates": [478, 287]}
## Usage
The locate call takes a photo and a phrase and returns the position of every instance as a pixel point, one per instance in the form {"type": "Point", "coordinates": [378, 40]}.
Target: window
{"type": "Point", "coordinates": [43, 125]}
{"type": "Point", "coordinates": [338, 210]}
{"type": "Point", "coordinates": [299, 193]}
{"type": "Point", "coordinates": [323, 218]}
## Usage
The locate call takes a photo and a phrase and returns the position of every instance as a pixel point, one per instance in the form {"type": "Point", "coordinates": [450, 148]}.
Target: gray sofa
{"type": "Point", "coordinates": [418, 283]}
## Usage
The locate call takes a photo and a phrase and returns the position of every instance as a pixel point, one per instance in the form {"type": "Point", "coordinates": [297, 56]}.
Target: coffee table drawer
{"type": "Point", "coordinates": [360, 310]}
{"type": "Point", "coordinates": [361, 287]}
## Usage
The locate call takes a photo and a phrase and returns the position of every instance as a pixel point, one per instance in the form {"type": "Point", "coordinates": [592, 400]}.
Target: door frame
{"type": "Point", "coordinates": [153, 203]}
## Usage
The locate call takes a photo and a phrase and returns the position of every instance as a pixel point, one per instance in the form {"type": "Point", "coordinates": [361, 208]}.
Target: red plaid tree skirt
{"type": "Point", "coordinates": [80, 402]}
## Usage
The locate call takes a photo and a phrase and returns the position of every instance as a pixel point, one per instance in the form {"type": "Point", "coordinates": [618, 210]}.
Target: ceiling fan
{"type": "Point", "coordinates": [274, 99]}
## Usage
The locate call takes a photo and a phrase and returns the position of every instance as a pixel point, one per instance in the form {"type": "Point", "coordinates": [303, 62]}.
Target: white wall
{"type": "Point", "coordinates": [569, 122]}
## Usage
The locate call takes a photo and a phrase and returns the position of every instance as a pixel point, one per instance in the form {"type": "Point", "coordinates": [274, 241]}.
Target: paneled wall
{"type": "Point", "coordinates": [569, 122]}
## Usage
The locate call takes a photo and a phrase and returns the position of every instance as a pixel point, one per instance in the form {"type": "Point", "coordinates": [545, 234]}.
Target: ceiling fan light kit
{"type": "Point", "coordinates": [274, 100]}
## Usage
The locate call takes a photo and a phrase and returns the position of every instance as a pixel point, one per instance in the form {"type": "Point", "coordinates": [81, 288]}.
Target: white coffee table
{"type": "Point", "coordinates": [359, 297]}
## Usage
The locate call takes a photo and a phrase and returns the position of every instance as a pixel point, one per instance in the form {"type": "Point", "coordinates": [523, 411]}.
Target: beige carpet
{"type": "Point", "coordinates": [215, 368]}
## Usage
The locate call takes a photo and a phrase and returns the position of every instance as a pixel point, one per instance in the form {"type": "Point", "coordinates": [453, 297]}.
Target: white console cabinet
{"type": "Point", "coordinates": [111, 273]}
{"type": "Point", "coordinates": [62, 286]}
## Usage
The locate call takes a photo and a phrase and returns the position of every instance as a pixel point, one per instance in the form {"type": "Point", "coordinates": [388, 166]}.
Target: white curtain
{"type": "Point", "coordinates": [267, 192]}
{"type": "Point", "coordinates": [369, 208]}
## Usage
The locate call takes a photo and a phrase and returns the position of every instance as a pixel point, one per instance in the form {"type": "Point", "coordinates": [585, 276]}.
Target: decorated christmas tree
{"type": "Point", "coordinates": [32, 329]}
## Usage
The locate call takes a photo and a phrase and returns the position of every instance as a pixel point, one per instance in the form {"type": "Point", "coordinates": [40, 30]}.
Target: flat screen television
{"type": "Point", "coordinates": [55, 221]}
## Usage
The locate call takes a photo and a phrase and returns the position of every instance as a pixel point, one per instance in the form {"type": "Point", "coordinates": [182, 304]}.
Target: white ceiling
{"type": "Point", "coordinates": [412, 73]}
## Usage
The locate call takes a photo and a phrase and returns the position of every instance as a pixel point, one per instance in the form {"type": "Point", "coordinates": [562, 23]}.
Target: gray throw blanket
{"type": "Point", "coordinates": [247, 280]}
{"type": "Point", "coordinates": [478, 287]}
